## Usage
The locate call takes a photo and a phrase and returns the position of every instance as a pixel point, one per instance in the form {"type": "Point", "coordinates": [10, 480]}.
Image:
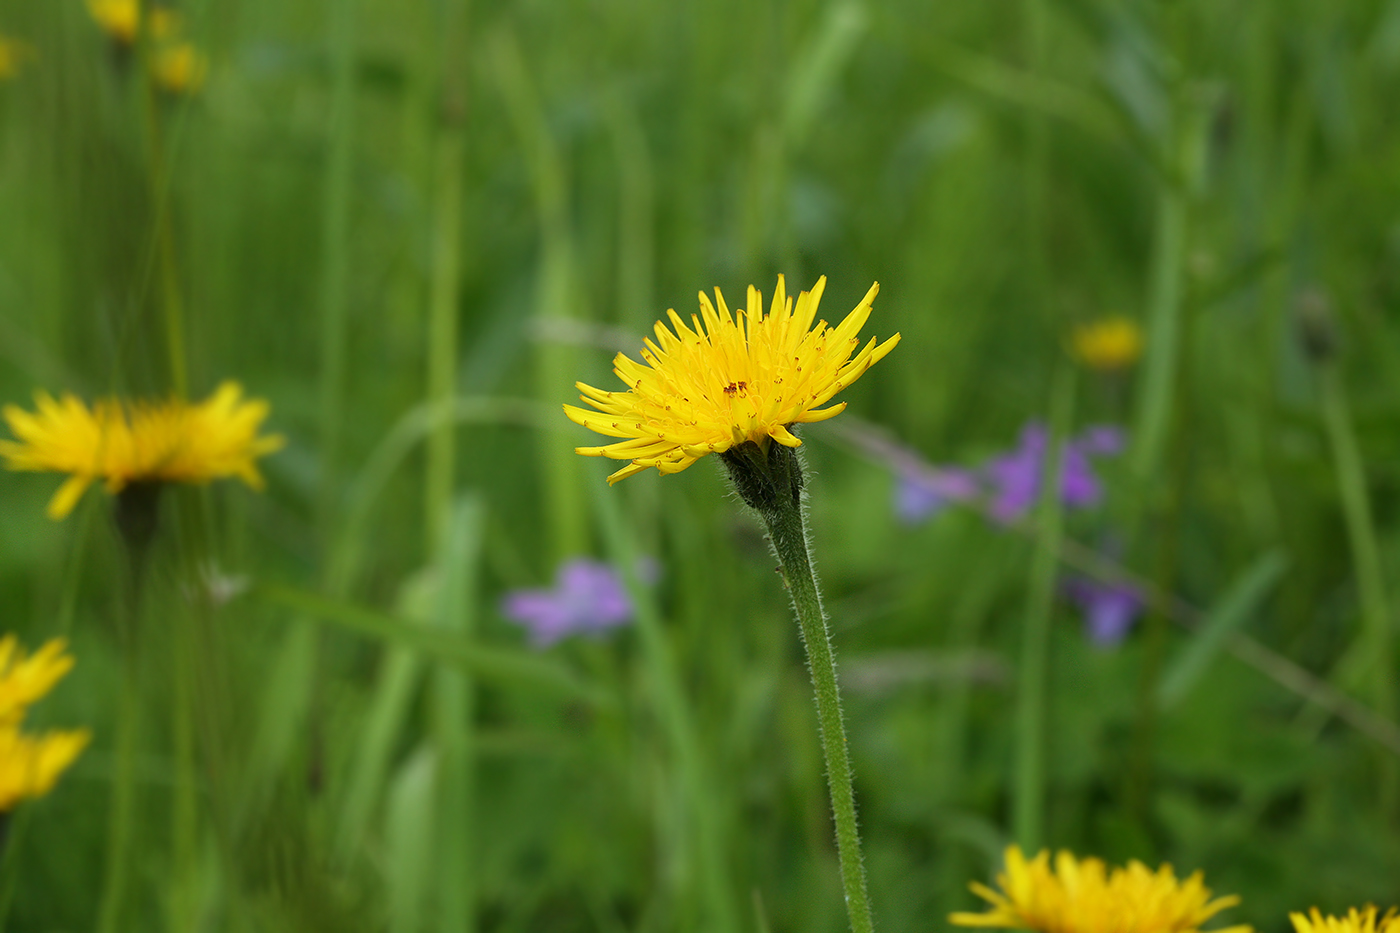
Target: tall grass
{"type": "Point", "coordinates": [412, 226]}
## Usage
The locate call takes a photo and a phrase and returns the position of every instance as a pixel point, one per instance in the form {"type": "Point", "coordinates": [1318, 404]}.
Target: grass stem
{"type": "Point", "coordinates": [123, 802]}
{"type": "Point", "coordinates": [699, 812]}
{"type": "Point", "coordinates": [335, 245]}
{"type": "Point", "coordinates": [1028, 807]}
{"type": "Point", "coordinates": [1365, 551]}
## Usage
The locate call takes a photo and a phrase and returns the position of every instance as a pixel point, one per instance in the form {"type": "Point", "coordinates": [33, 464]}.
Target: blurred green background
{"type": "Point", "coordinates": [412, 225]}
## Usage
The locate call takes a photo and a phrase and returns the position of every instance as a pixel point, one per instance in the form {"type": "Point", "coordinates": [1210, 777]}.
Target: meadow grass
{"type": "Point", "coordinates": [412, 226]}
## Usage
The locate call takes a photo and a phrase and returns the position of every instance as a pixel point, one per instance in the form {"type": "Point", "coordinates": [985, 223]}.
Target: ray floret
{"type": "Point", "coordinates": [721, 379]}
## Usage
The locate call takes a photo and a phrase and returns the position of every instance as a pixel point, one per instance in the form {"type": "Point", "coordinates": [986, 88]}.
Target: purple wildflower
{"type": "Point", "coordinates": [588, 598]}
{"type": "Point", "coordinates": [1015, 477]}
{"type": "Point", "coordinates": [1104, 440]}
{"type": "Point", "coordinates": [922, 491]}
{"type": "Point", "coordinates": [1110, 609]}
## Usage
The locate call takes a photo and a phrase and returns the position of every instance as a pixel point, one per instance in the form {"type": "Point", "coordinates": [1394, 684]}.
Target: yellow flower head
{"type": "Point", "coordinates": [121, 442]}
{"type": "Point", "coordinates": [179, 68]}
{"type": "Point", "coordinates": [1083, 896]}
{"type": "Point", "coordinates": [25, 680]}
{"type": "Point", "coordinates": [1356, 921]}
{"type": "Point", "coordinates": [707, 389]}
{"type": "Point", "coordinates": [1108, 344]}
{"type": "Point", "coordinates": [29, 765]}
{"type": "Point", "coordinates": [13, 55]}
{"type": "Point", "coordinates": [119, 19]}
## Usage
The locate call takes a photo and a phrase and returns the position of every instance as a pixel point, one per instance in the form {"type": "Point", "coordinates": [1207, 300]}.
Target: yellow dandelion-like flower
{"type": "Point", "coordinates": [179, 68]}
{"type": "Point", "coordinates": [1356, 921]}
{"type": "Point", "coordinates": [13, 55]}
{"type": "Point", "coordinates": [30, 765]}
{"type": "Point", "coordinates": [727, 381]}
{"type": "Point", "coordinates": [122, 443]}
{"type": "Point", "coordinates": [120, 19]}
{"type": "Point", "coordinates": [1083, 896]}
{"type": "Point", "coordinates": [1108, 344]}
{"type": "Point", "coordinates": [25, 680]}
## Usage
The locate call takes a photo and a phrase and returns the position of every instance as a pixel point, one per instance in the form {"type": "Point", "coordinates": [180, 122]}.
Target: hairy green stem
{"type": "Point", "coordinates": [771, 482]}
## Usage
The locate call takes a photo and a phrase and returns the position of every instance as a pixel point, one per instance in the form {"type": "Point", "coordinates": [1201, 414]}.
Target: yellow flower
{"type": "Point", "coordinates": [706, 390]}
{"type": "Point", "coordinates": [1082, 896]}
{"type": "Point", "coordinates": [25, 680]}
{"type": "Point", "coordinates": [1363, 921]}
{"type": "Point", "coordinates": [120, 19]}
{"type": "Point", "coordinates": [13, 55]}
{"type": "Point", "coordinates": [1108, 344]}
{"type": "Point", "coordinates": [123, 442]}
{"type": "Point", "coordinates": [30, 765]}
{"type": "Point", "coordinates": [179, 68]}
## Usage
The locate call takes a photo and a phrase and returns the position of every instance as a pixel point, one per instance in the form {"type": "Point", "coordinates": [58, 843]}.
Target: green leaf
{"type": "Point", "coordinates": [505, 666]}
{"type": "Point", "coordinates": [1223, 620]}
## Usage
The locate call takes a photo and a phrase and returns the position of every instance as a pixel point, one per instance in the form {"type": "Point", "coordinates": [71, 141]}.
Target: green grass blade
{"type": "Point", "coordinates": [1234, 608]}
{"type": "Point", "coordinates": [498, 665]}
{"type": "Point", "coordinates": [453, 715]}
{"type": "Point", "coordinates": [386, 722]}
{"type": "Point", "coordinates": [411, 825]}
{"type": "Point", "coordinates": [700, 840]}
{"type": "Point", "coordinates": [335, 244]}
{"type": "Point", "coordinates": [1028, 810]}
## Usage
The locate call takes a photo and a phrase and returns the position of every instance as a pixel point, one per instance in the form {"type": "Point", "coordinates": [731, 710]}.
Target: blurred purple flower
{"type": "Point", "coordinates": [921, 491]}
{"type": "Point", "coordinates": [588, 598]}
{"type": "Point", "coordinates": [1110, 609]}
{"type": "Point", "coordinates": [1101, 439]}
{"type": "Point", "coordinates": [1015, 477]}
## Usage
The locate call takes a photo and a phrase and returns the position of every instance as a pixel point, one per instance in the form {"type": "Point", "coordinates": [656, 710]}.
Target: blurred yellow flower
{"type": "Point", "coordinates": [175, 65]}
{"type": "Point", "coordinates": [25, 680]}
{"type": "Point", "coordinates": [29, 765]}
{"type": "Point", "coordinates": [1108, 344]}
{"type": "Point", "coordinates": [1083, 896]}
{"type": "Point", "coordinates": [709, 389]}
{"type": "Point", "coordinates": [120, 19]}
{"type": "Point", "coordinates": [1356, 921]}
{"type": "Point", "coordinates": [13, 55]}
{"type": "Point", "coordinates": [124, 442]}
{"type": "Point", "coordinates": [179, 68]}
